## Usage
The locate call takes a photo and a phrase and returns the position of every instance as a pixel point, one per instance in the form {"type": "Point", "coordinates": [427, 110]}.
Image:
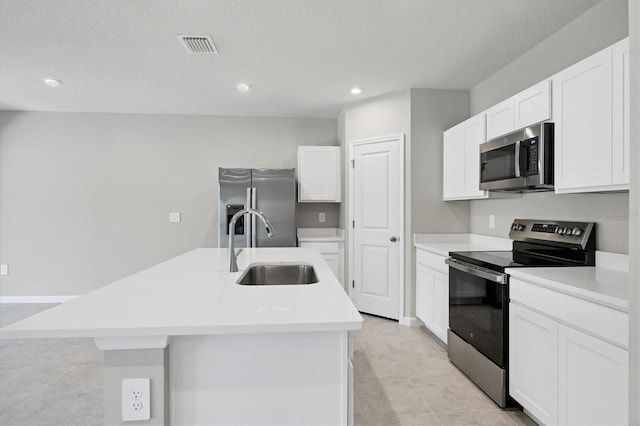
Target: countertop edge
{"type": "Point", "coordinates": [568, 289]}
{"type": "Point", "coordinates": [183, 331]}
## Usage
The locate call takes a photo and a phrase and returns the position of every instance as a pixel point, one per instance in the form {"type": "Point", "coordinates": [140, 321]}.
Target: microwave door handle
{"type": "Point", "coordinates": [517, 159]}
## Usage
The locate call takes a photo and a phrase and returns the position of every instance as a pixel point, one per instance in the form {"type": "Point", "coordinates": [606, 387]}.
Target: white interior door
{"type": "Point", "coordinates": [377, 209]}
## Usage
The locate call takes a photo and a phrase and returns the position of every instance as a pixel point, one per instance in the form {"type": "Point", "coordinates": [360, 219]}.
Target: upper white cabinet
{"type": "Point", "coordinates": [461, 162]}
{"type": "Point", "coordinates": [500, 119]}
{"type": "Point", "coordinates": [531, 106]}
{"type": "Point", "coordinates": [591, 114]}
{"type": "Point", "coordinates": [621, 115]}
{"type": "Point", "coordinates": [319, 174]}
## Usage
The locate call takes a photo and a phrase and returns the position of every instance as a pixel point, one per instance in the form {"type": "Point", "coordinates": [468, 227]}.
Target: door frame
{"type": "Point", "coordinates": [399, 138]}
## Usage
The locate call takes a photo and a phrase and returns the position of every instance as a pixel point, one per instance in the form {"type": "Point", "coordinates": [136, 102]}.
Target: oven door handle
{"type": "Point", "coordinates": [477, 271]}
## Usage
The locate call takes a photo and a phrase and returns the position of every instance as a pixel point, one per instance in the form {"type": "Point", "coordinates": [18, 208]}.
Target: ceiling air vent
{"type": "Point", "coordinates": [198, 44]}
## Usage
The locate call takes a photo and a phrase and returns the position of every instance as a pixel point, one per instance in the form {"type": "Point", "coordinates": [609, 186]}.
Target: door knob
{"type": "Point", "coordinates": [393, 239]}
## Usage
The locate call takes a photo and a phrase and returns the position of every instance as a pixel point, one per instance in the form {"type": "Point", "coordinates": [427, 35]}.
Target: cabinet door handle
{"type": "Point", "coordinates": [393, 239]}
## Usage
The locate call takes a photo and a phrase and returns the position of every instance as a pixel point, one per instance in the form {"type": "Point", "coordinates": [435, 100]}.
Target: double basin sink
{"type": "Point", "coordinates": [278, 274]}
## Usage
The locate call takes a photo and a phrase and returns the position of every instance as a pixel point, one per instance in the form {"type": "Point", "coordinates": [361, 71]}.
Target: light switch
{"type": "Point", "coordinates": [492, 221]}
{"type": "Point", "coordinates": [174, 217]}
{"type": "Point", "coordinates": [4, 269]}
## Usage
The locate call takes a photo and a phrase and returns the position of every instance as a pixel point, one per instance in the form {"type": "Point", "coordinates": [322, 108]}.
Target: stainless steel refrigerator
{"type": "Point", "coordinates": [271, 191]}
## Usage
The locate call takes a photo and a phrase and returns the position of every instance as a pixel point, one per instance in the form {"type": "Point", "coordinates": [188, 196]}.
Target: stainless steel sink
{"type": "Point", "coordinates": [278, 274]}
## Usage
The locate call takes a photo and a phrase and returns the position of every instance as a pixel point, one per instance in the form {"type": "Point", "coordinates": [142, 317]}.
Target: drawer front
{"type": "Point", "coordinates": [431, 260]}
{"type": "Point", "coordinates": [600, 321]}
{"type": "Point", "coordinates": [324, 248]}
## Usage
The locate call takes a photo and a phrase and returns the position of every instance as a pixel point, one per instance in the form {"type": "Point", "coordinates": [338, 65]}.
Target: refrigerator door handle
{"type": "Point", "coordinates": [254, 229]}
{"type": "Point", "coordinates": [247, 220]}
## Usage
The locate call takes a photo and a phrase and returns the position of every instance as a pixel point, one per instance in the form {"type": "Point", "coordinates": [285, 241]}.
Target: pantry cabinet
{"type": "Point", "coordinates": [319, 175]}
{"type": "Point", "coordinates": [432, 293]}
{"type": "Point", "coordinates": [461, 160]}
{"type": "Point", "coordinates": [568, 357]}
{"type": "Point", "coordinates": [531, 106]}
{"type": "Point", "coordinates": [591, 114]}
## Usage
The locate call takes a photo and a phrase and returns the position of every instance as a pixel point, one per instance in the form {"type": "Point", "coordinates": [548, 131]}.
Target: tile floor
{"type": "Point", "coordinates": [403, 377]}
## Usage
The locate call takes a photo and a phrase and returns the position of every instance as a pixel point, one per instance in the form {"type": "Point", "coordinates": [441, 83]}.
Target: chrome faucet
{"type": "Point", "coordinates": [233, 265]}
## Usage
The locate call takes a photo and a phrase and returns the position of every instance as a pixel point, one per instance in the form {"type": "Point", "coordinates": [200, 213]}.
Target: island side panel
{"type": "Point", "coordinates": [136, 364]}
{"type": "Point", "coordinates": [268, 379]}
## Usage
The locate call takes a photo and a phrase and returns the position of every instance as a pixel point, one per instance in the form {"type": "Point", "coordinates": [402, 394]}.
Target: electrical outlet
{"type": "Point", "coordinates": [492, 221]}
{"type": "Point", "coordinates": [4, 269]}
{"type": "Point", "coordinates": [136, 399]}
{"type": "Point", "coordinates": [321, 217]}
{"type": "Point", "coordinates": [174, 217]}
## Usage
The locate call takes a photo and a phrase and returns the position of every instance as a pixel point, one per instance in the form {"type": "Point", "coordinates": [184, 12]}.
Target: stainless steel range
{"type": "Point", "coordinates": [479, 295]}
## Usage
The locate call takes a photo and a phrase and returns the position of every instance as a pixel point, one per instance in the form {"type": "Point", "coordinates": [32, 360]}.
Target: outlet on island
{"type": "Point", "coordinates": [321, 217]}
{"type": "Point", "coordinates": [136, 399]}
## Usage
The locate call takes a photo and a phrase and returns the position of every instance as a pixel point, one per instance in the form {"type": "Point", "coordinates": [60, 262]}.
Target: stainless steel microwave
{"type": "Point", "coordinates": [521, 161]}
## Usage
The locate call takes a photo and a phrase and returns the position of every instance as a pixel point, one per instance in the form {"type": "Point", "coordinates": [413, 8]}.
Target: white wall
{"type": "Point", "coordinates": [85, 198]}
{"type": "Point", "coordinates": [597, 28]}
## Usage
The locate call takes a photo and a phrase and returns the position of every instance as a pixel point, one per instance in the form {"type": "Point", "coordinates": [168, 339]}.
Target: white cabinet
{"type": "Point", "coordinates": [621, 116]}
{"type": "Point", "coordinates": [500, 119]}
{"type": "Point", "coordinates": [591, 114]}
{"type": "Point", "coordinates": [592, 380]}
{"type": "Point", "coordinates": [568, 357]}
{"type": "Point", "coordinates": [432, 293]}
{"type": "Point", "coordinates": [319, 176]}
{"type": "Point", "coordinates": [332, 253]}
{"type": "Point", "coordinates": [461, 161]}
{"type": "Point", "coordinates": [531, 106]}
{"type": "Point", "coordinates": [533, 363]}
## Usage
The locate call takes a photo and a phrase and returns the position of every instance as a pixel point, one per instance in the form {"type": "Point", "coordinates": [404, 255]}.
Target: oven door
{"type": "Point", "coordinates": [478, 308]}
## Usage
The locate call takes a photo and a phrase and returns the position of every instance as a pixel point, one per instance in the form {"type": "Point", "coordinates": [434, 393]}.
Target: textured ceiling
{"type": "Point", "coordinates": [301, 57]}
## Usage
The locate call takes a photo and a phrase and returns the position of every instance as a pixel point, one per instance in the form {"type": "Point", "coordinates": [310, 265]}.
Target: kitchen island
{"type": "Point", "coordinates": [218, 352]}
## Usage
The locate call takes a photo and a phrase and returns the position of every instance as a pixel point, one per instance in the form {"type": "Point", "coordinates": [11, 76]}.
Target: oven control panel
{"type": "Point", "coordinates": [579, 234]}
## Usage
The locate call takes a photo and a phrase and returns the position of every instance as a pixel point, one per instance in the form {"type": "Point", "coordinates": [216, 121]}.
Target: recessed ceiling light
{"type": "Point", "coordinates": [243, 87]}
{"type": "Point", "coordinates": [356, 91]}
{"type": "Point", "coordinates": [52, 82]}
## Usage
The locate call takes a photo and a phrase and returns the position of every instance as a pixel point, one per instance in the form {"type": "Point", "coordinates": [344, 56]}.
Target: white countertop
{"type": "Point", "coordinates": [320, 235]}
{"type": "Point", "coordinates": [606, 287]}
{"type": "Point", "coordinates": [443, 244]}
{"type": "Point", "coordinates": [194, 294]}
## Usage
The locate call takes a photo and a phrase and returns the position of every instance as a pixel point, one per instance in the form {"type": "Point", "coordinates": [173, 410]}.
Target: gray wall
{"type": "Point", "coordinates": [85, 198]}
{"type": "Point", "coordinates": [422, 115]}
{"type": "Point", "coordinates": [380, 116]}
{"type": "Point", "coordinates": [599, 27]}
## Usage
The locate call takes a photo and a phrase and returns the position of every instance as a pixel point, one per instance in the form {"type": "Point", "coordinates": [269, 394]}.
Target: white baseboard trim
{"type": "Point", "coordinates": [411, 321]}
{"type": "Point", "coordinates": [35, 299]}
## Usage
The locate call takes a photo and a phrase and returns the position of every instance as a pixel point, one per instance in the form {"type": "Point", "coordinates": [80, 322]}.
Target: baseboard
{"type": "Point", "coordinates": [35, 299]}
{"type": "Point", "coordinates": [411, 321]}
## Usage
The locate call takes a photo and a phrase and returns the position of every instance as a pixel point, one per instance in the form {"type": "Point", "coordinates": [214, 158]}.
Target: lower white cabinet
{"type": "Point", "coordinates": [562, 368]}
{"type": "Point", "coordinates": [332, 254]}
{"type": "Point", "coordinates": [432, 292]}
{"type": "Point", "coordinates": [592, 380]}
{"type": "Point", "coordinates": [533, 363]}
